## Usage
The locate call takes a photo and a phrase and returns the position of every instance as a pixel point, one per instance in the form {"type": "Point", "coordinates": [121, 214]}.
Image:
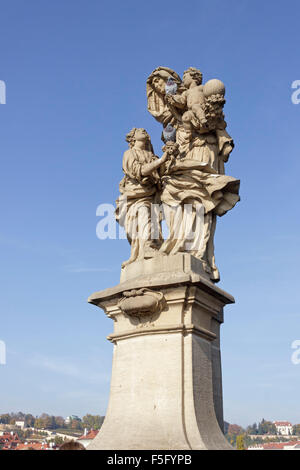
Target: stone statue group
{"type": "Point", "coordinates": [187, 186]}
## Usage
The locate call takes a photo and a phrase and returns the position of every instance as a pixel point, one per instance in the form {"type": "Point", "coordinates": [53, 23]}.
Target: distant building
{"type": "Point", "coordinates": [9, 441]}
{"type": "Point", "coordinates": [71, 418]}
{"type": "Point", "coordinates": [87, 437]}
{"type": "Point", "coordinates": [283, 428]}
{"type": "Point", "coordinates": [36, 446]}
{"type": "Point", "coordinates": [20, 424]}
{"type": "Point", "coordinates": [293, 445]}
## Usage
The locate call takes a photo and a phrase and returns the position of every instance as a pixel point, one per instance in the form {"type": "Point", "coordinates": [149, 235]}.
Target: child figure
{"type": "Point", "coordinates": [204, 103]}
{"type": "Point", "coordinates": [192, 99]}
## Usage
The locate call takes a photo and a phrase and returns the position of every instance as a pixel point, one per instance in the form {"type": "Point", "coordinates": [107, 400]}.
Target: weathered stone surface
{"type": "Point", "coordinates": [161, 271]}
{"type": "Point", "coordinates": [165, 265]}
{"type": "Point", "coordinates": [166, 390]}
{"type": "Point", "coordinates": [188, 182]}
{"type": "Point", "coordinates": [141, 302]}
{"type": "Point", "coordinates": [196, 175]}
{"type": "Point", "coordinates": [166, 385]}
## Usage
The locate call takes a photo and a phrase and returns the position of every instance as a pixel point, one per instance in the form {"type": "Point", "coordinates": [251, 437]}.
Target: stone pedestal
{"type": "Point", "coordinates": [166, 385]}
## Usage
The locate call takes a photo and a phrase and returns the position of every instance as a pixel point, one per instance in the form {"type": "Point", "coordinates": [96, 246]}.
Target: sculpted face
{"type": "Point", "coordinates": [141, 135]}
{"type": "Point", "coordinates": [159, 84]}
{"type": "Point", "coordinates": [187, 79]}
{"type": "Point", "coordinates": [190, 77]}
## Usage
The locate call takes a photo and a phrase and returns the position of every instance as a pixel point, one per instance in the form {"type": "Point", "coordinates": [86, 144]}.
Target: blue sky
{"type": "Point", "coordinates": [75, 73]}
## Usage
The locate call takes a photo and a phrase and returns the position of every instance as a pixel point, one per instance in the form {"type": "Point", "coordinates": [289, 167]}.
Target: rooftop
{"type": "Point", "coordinates": [90, 435]}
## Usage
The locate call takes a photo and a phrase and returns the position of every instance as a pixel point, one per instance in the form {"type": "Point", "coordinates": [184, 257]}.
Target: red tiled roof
{"type": "Point", "coordinates": [282, 423]}
{"type": "Point", "coordinates": [279, 445]}
{"type": "Point", "coordinates": [33, 446]}
{"type": "Point", "coordinates": [9, 436]}
{"type": "Point", "coordinates": [9, 439]}
{"type": "Point", "coordinates": [90, 435]}
{"type": "Point", "coordinates": [274, 446]}
{"type": "Point", "coordinates": [292, 443]}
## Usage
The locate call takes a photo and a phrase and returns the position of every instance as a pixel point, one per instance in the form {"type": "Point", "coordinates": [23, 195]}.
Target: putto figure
{"type": "Point", "coordinates": [191, 99]}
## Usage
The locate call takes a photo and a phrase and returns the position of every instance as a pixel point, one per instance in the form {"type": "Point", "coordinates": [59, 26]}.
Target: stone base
{"type": "Point", "coordinates": [165, 265]}
{"type": "Point", "coordinates": [166, 386]}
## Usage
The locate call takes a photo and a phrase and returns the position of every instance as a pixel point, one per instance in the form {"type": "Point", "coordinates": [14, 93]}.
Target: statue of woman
{"type": "Point", "coordinates": [207, 144]}
{"type": "Point", "coordinates": [139, 193]}
{"type": "Point", "coordinates": [194, 189]}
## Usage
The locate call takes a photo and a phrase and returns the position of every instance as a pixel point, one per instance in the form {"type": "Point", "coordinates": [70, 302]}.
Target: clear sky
{"type": "Point", "coordinates": [75, 72]}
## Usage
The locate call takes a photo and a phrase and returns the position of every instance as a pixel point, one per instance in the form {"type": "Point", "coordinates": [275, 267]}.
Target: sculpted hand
{"type": "Point", "coordinates": [171, 148]}
{"type": "Point", "coordinates": [151, 167]}
{"type": "Point", "coordinates": [226, 152]}
{"type": "Point", "coordinates": [170, 99]}
{"type": "Point", "coordinates": [165, 157]}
